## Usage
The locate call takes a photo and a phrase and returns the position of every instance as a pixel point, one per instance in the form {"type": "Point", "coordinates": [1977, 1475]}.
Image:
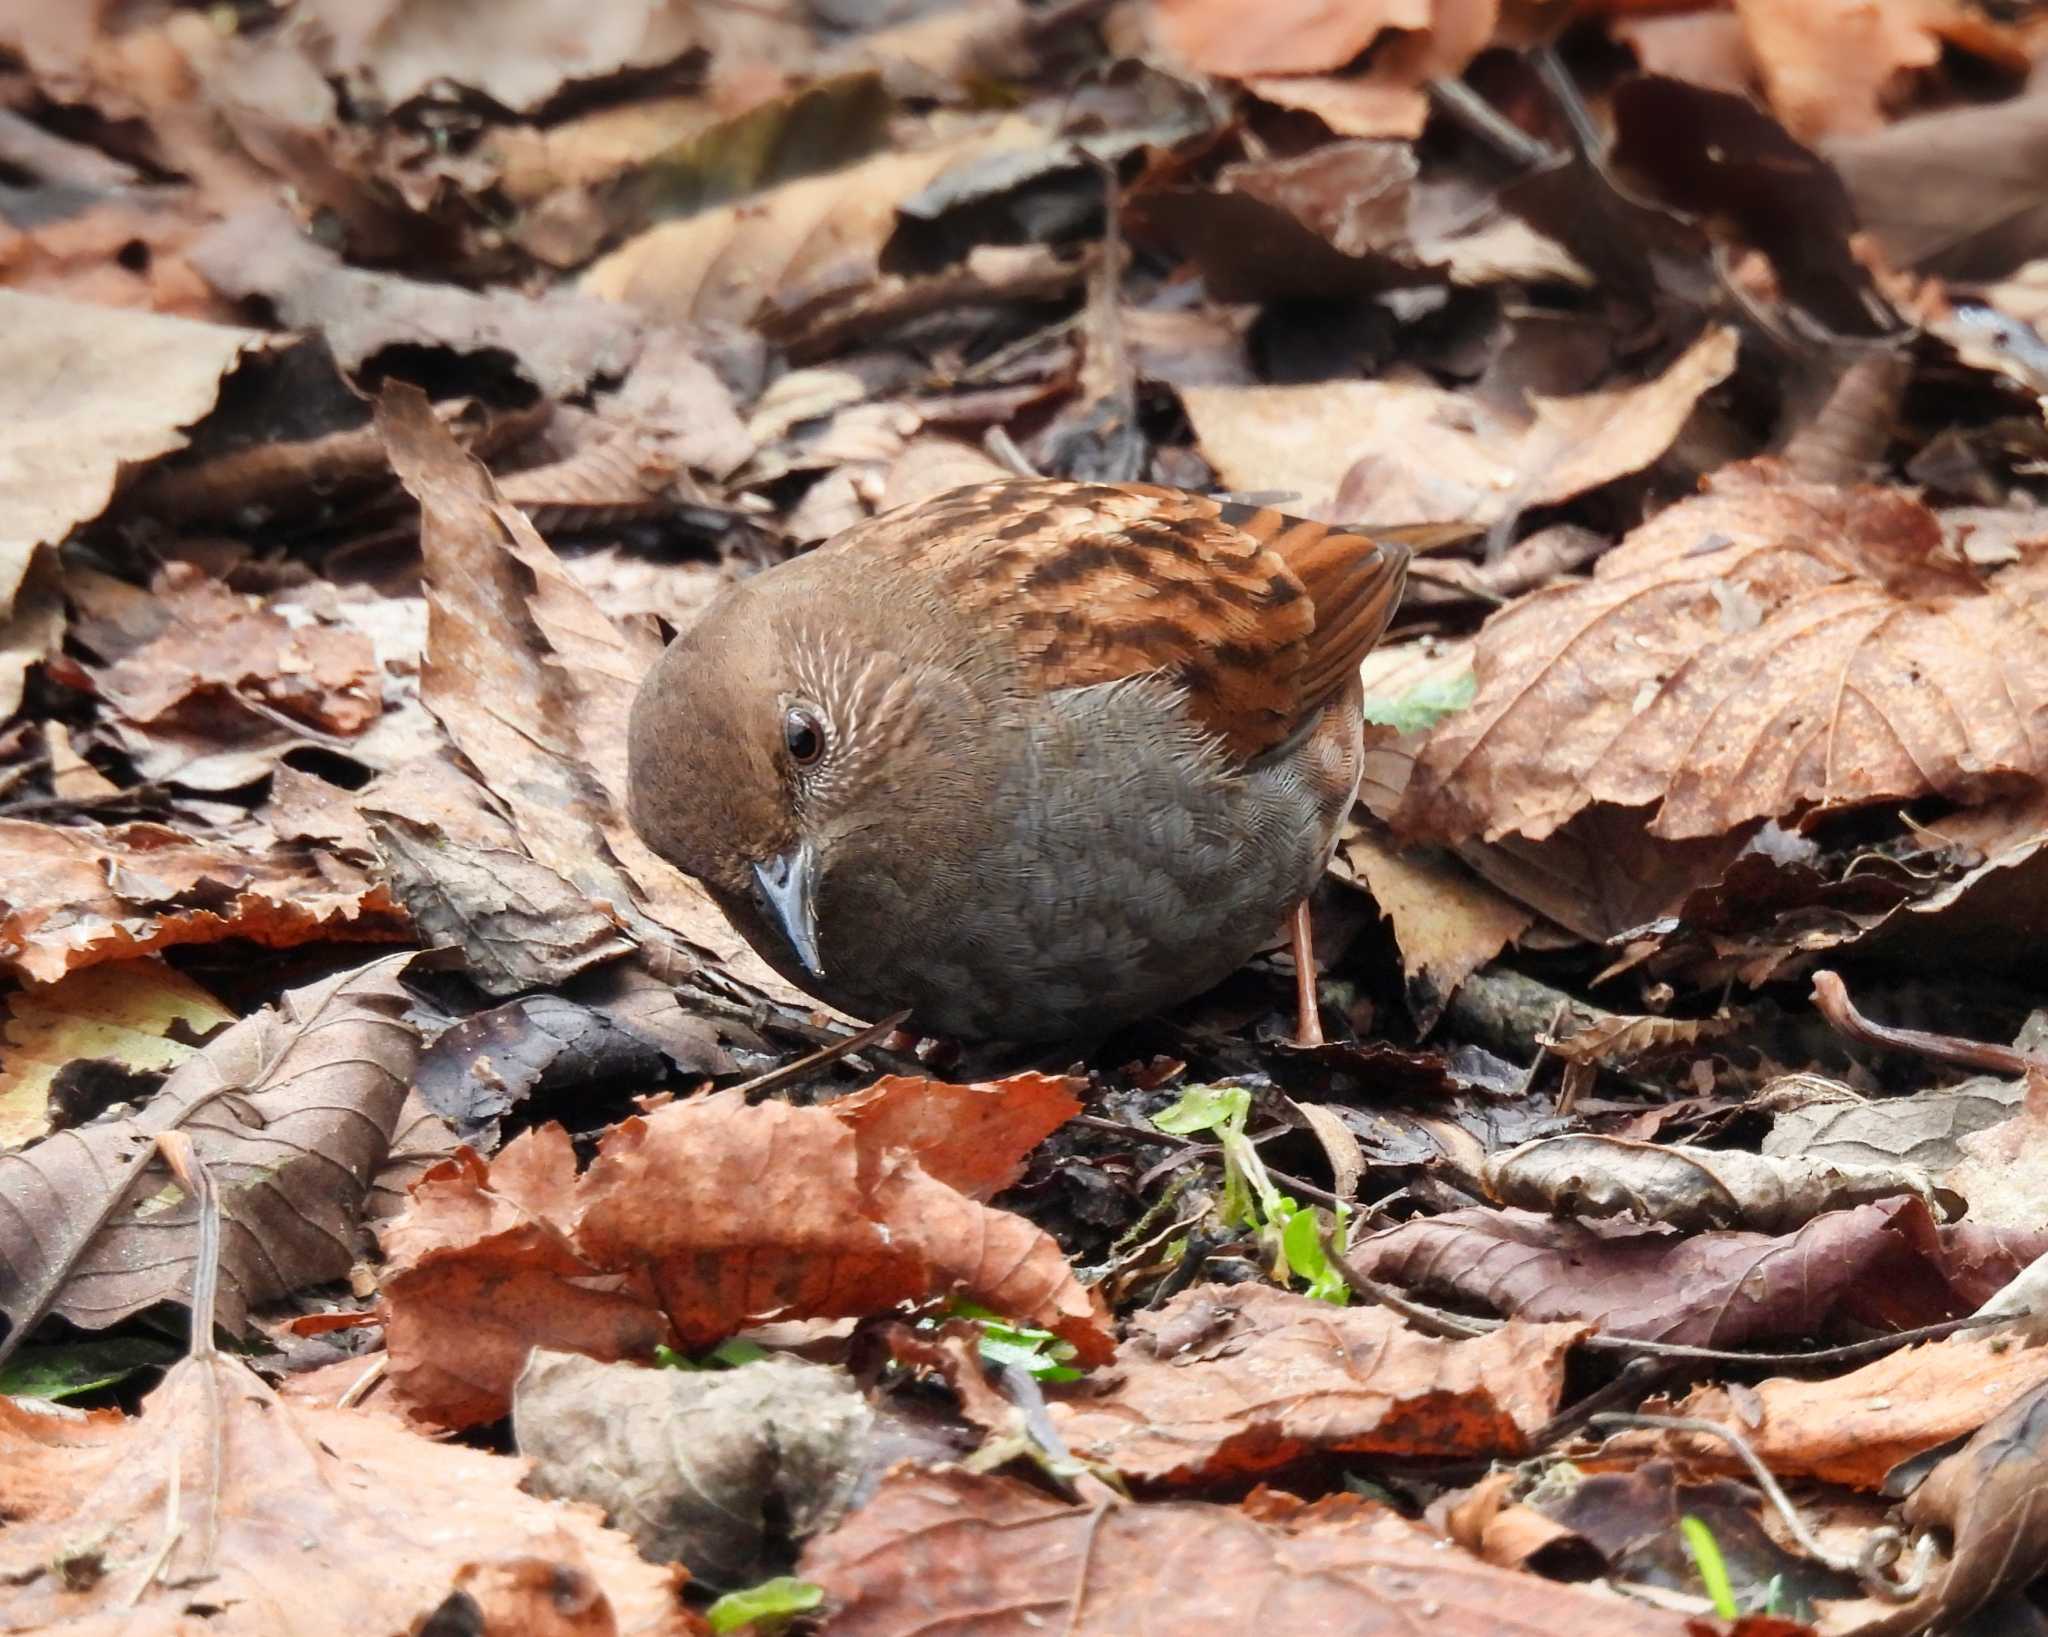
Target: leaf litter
{"type": "Point", "coordinates": [382, 394]}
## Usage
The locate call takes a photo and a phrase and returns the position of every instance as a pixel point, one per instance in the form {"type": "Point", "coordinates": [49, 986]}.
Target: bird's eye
{"type": "Point", "coordinates": [803, 735]}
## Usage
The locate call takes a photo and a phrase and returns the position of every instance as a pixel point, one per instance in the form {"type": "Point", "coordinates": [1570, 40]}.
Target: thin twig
{"type": "Point", "coordinates": [790, 1073]}
{"type": "Point", "coordinates": [1430, 1321]}
{"type": "Point", "coordinates": [1831, 995]}
{"type": "Point", "coordinates": [1487, 122]}
{"type": "Point", "coordinates": [1794, 1522]}
{"type": "Point", "coordinates": [359, 1389]}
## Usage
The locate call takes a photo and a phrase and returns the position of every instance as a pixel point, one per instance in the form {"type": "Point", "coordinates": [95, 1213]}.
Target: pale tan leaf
{"type": "Point", "coordinates": [1407, 451]}
{"type": "Point", "coordinates": [122, 1012]}
{"type": "Point", "coordinates": [277, 1509]}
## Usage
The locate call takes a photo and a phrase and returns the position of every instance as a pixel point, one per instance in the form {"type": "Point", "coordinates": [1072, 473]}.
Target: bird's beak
{"type": "Point", "coordinates": [786, 886]}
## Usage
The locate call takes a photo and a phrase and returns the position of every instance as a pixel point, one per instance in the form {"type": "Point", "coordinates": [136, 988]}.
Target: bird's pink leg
{"type": "Point", "coordinates": [1308, 1021]}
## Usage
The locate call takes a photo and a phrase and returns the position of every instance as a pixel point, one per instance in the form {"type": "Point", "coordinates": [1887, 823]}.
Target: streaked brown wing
{"type": "Point", "coordinates": [1261, 616]}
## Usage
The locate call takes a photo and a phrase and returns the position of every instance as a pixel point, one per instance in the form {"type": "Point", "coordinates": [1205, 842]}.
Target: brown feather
{"type": "Point", "coordinates": [1262, 617]}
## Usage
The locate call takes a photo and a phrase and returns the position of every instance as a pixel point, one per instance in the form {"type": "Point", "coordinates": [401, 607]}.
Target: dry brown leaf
{"type": "Point", "coordinates": [81, 895]}
{"type": "Point", "coordinates": [1229, 1382]}
{"type": "Point", "coordinates": [1855, 1427]}
{"type": "Point", "coordinates": [1392, 451]}
{"type": "Point", "coordinates": [2002, 1170]}
{"type": "Point", "coordinates": [1689, 1188]}
{"type": "Point", "coordinates": [944, 1548]}
{"type": "Point", "coordinates": [534, 684]}
{"type": "Point", "coordinates": [464, 878]}
{"type": "Point", "coordinates": [691, 1223]}
{"type": "Point", "coordinates": [293, 1110]}
{"type": "Point", "coordinates": [276, 1509]}
{"type": "Point", "coordinates": [713, 1468]}
{"type": "Point", "coordinates": [1988, 1500]}
{"type": "Point", "coordinates": [85, 393]}
{"type": "Point", "coordinates": [1765, 647]}
{"type": "Point", "coordinates": [396, 50]}
{"type": "Point", "coordinates": [1832, 66]}
{"type": "Point", "coordinates": [1446, 923]}
{"type": "Point", "coordinates": [1287, 37]}
{"type": "Point", "coordinates": [121, 1013]}
{"type": "Point", "coordinates": [560, 340]}
{"type": "Point", "coordinates": [766, 260]}
{"type": "Point", "coordinates": [480, 1269]}
{"type": "Point", "coordinates": [213, 641]}
{"type": "Point", "coordinates": [1963, 193]}
{"type": "Point", "coordinates": [739, 1212]}
{"type": "Point", "coordinates": [1886, 1263]}
{"type": "Point", "coordinates": [975, 1138]}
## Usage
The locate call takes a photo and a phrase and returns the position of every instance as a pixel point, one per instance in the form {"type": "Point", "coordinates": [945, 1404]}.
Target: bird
{"type": "Point", "coordinates": [1032, 759]}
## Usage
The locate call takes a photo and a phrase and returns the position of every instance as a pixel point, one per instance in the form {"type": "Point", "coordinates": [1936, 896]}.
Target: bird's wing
{"type": "Point", "coordinates": [1262, 617]}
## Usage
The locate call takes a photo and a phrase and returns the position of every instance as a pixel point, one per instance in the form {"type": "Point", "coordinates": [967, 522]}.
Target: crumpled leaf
{"type": "Point", "coordinates": [211, 641]}
{"type": "Point", "coordinates": [559, 340]}
{"type": "Point", "coordinates": [465, 879]}
{"type": "Point", "coordinates": [1853, 1428]}
{"type": "Point", "coordinates": [293, 1110]}
{"type": "Point", "coordinates": [122, 1013]}
{"type": "Point", "coordinates": [709, 1468]}
{"type": "Point", "coordinates": [1884, 1263]}
{"type": "Point", "coordinates": [1822, 1121]}
{"type": "Point", "coordinates": [943, 1547]}
{"type": "Point", "coordinates": [275, 1509]}
{"type": "Point", "coordinates": [2002, 1169]}
{"type": "Point", "coordinates": [1689, 1188]}
{"type": "Point", "coordinates": [82, 894]}
{"type": "Point", "coordinates": [1766, 647]}
{"type": "Point", "coordinates": [1990, 1498]}
{"type": "Point", "coordinates": [534, 684]}
{"type": "Point", "coordinates": [692, 1223]}
{"type": "Point", "coordinates": [1447, 924]}
{"type": "Point", "coordinates": [1228, 1382]}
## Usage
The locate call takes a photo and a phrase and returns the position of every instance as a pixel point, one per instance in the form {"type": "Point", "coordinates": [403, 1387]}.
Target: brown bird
{"type": "Point", "coordinates": [1031, 759]}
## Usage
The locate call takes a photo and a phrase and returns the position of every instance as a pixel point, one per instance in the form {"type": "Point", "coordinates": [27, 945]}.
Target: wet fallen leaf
{"type": "Point", "coordinates": [128, 1013]}
{"type": "Point", "coordinates": [276, 1508]}
{"type": "Point", "coordinates": [1229, 1382]}
{"type": "Point", "coordinates": [708, 1468]}
{"type": "Point", "coordinates": [81, 895]}
{"type": "Point", "coordinates": [1764, 648]}
{"type": "Point", "coordinates": [692, 1223]}
{"type": "Point", "coordinates": [293, 1110]}
{"type": "Point", "coordinates": [944, 1547]}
